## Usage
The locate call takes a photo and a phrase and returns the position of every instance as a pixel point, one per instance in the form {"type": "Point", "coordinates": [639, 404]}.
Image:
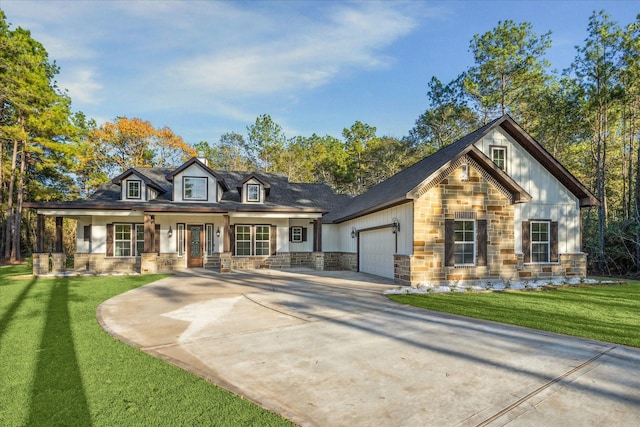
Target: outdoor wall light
{"type": "Point", "coordinates": [218, 232]}
{"type": "Point", "coordinates": [170, 232]}
{"type": "Point", "coordinates": [395, 228]}
{"type": "Point", "coordinates": [353, 232]}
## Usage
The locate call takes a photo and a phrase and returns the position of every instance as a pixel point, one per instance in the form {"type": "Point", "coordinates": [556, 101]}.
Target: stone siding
{"type": "Point", "coordinates": [475, 198]}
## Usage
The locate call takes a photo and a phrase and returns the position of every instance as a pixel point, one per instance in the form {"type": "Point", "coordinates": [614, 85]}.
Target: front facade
{"type": "Point", "coordinates": [493, 205]}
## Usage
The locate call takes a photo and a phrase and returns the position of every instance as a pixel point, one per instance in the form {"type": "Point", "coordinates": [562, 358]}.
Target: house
{"type": "Point", "coordinates": [492, 205]}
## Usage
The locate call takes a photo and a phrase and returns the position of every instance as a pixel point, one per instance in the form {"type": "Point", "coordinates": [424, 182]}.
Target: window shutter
{"type": "Point", "coordinates": [526, 240]}
{"type": "Point", "coordinates": [554, 241]}
{"type": "Point", "coordinates": [232, 239]}
{"type": "Point", "coordinates": [157, 239]}
{"type": "Point", "coordinates": [87, 233]}
{"type": "Point", "coordinates": [304, 234]}
{"type": "Point", "coordinates": [272, 239]}
{"type": "Point", "coordinates": [482, 242]}
{"type": "Point", "coordinates": [291, 234]}
{"type": "Point", "coordinates": [449, 240]}
{"type": "Point", "coordinates": [109, 239]}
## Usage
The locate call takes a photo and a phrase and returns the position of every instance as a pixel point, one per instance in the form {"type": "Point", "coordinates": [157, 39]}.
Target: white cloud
{"type": "Point", "coordinates": [82, 85]}
{"type": "Point", "coordinates": [302, 56]}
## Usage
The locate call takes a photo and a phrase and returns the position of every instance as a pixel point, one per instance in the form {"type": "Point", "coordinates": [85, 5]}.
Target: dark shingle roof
{"type": "Point", "coordinates": [394, 190]}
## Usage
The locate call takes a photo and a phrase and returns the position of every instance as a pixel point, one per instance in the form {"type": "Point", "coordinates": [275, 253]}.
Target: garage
{"type": "Point", "coordinates": [375, 252]}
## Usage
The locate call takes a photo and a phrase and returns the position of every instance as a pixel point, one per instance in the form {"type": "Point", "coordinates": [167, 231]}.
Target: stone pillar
{"type": "Point", "coordinates": [58, 262]}
{"type": "Point", "coordinates": [40, 263]}
{"type": "Point", "coordinates": [225, 262]}
{"type": "Point", "coordinates": [318, 258]}
{"type": "Point", "coordinates": [149, 263]}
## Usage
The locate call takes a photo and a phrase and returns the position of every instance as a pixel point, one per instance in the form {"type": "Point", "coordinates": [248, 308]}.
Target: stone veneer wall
{"type": "Point", "coordinates": [341, 261]}
{"type": "Point", "coordinates": [570, 266]}
{"type": "Point", "coordinates": [476, 197]}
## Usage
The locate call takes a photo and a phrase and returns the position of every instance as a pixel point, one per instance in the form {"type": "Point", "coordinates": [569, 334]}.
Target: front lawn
{"type": "Point", "coordinates": [58, 367]}
{"type": "Point", "coordinates": [603, 312]}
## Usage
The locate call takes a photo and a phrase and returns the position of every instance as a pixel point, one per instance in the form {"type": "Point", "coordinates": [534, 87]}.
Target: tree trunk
{"type": "Point", "coordinates": [16, 253]}
{"type": "Point", "coordinates": [10, 221]}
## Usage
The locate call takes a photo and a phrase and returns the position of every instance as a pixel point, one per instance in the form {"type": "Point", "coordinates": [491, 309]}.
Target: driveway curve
{"type": "Point", "coordinates": [328, 349]}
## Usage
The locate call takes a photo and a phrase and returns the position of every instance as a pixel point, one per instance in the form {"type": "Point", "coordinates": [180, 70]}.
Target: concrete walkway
{"type": "Point", "coordinates": [328, 349]}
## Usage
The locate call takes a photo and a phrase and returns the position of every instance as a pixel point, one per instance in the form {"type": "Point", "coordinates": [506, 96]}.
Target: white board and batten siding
{"type": "Point", "coordinates": [377, 246]}
{"type": "Point", "coordinates": [550, 199]}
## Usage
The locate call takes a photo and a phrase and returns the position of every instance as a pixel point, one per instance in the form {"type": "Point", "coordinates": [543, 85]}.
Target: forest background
{"type": "Point", "coordinates": [587, 117]}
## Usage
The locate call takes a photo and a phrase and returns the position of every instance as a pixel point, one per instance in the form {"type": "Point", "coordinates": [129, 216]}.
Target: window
{"type": "Point", "coordinates": [122, 240]}
{"type": "Point", "coordinates": [139, 239]}
{"type": "Point", "coordinates": [195, 188]}
{"type": "Point", "coordinates": [209, 239]}
{"type": "Point", "coordinates": [243, 240]}
{"type": "Point", "coordinates": [253, 193]}
{"type": "Point", "coordinates": [296, 235]}
{"type": "Point", "coordinates": [499, 157]}
{"type": "Point", "coordinates": [133, 189]}
{"type": "Point", "coordinates": [262, 240]}
{"type": "Point", "coordinates": [180, 241]}
{"type": "Point", "coordinates": [464, 242]}
{"type": "Point", "coordinates": [253, 240]}
{"type": "Point", "coordinates": [540, 242]}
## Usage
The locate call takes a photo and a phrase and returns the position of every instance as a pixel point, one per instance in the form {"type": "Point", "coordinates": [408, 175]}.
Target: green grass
{"type": "Point", "coordinates": [58, 367]}
{"type": "Point", "coordinates": [602, 312]}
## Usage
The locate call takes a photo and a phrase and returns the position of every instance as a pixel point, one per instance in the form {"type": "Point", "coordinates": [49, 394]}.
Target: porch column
{"type": "Point", "coordinates": [58, 245]}
{"type": "Point", "coordinates": [317, 235]}
{"type": "Point", "coordinates": [40, 234]}
{"type": "Point", "coordinates": [149, 256]}
{"type": "Point", "coordinates": [149, 233]}
{"type": "Point", "coordinates": [226, 239]}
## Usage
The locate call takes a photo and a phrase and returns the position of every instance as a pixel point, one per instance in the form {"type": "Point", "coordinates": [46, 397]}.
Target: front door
{"type": "Point", "coordinates": [194, 246]}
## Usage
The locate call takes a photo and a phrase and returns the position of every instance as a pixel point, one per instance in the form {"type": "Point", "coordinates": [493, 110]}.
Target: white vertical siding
{"type": "Point", "coordinates": [550, 199]}
{"type": "Point", "coordinates": [337, 237]}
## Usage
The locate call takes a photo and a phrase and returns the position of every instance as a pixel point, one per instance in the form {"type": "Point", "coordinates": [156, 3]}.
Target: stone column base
{"type": "Point", "coordinates": [318, 258]}
{"type": "Point", "coordinates": [40, 263]}
{"type": "Point", "coordinates": [225, 262]}
{"type": "Point", "coordinates": [149, 263]}
{"type": "Point", "coordinates": [58, 262]}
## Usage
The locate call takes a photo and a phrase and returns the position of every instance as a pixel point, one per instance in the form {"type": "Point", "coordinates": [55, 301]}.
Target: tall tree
{"type": "Point", "coordinates": [127, 143]}
{"type": "Point", "coordinates": [266, 142]}
{"type": "Point", "coordinates": [509, 69]}
{"type": "Point", "coordinates": [447, 118]}
{"type": "Point", "coordinates": [596, 70]}
{"type": "Point", "coordinates": [357, 139]}
{"type": "Point", "coordinates": [34, 116]}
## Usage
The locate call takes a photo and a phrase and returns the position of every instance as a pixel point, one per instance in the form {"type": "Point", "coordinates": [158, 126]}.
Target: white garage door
{"type": "Point", "coordinates": [376, 252]}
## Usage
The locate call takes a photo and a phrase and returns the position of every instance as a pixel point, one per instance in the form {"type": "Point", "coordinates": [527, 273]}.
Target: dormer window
{"type": "Point", "coordinates": [253, 193]}
{"type": "Point", "coordinates": [195, 188]}
{"type": "Point", "coordinates": [134, 189]}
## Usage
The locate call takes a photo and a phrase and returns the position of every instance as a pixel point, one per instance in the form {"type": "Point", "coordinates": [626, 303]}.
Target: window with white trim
{"type": "Point", "coordinates": [122, 239]}
{"type": "Point", "coordinates": [209, 238]}
{"type": "Point", "coordinates": [262, 243]}
{"type": "Point", "coordinates": [180, 240]}
{"type": "Point", "coordinates": [465, 242]}
{"type": "Point", "coordinates": [134, 189]}
{"type": "Point", "coordinates": [139, 239]}
{"type": "Point", "coordinates": [253, 240]}
{"type": "Point", "coordinates": [253, 193]}
{"type": "Point", "coordinates": [296, 234]}
{"type": "Point", "coordinates": [194, 188]}
{"type": "Point", "coordinates": [540, 241]}
{"type": "Point", "coordinates": [499, 157]}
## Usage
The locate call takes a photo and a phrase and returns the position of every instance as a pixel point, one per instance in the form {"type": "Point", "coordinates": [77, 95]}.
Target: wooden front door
{"type": "Point", "coordinates": [194, 246]}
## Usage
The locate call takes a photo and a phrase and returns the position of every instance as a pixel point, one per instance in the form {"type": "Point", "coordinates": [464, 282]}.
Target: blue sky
{"type": "Point", "coordinates": [204, 68]}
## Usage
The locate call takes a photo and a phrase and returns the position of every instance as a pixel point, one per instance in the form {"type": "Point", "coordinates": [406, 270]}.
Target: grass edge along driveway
{"type": "Point", "coordinates": [608, 313]}
{"type": "Point", "coordinates": [60, 368]}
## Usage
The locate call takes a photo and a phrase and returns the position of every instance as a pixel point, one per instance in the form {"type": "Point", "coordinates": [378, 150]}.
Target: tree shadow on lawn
{"type": "Point", "coordinates": [58, 396]}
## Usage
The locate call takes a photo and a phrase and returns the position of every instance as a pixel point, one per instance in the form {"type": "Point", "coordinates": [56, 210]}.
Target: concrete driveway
{"type": "Point", "coordinates": [328, 349]}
